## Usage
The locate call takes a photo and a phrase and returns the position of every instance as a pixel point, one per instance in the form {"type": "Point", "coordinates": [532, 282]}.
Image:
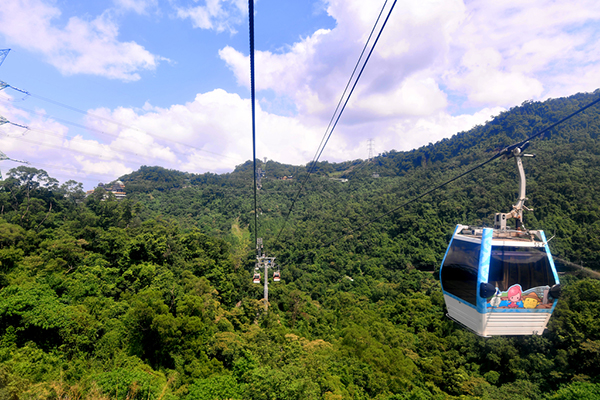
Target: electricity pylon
{"type": "Point", "coordinates": [370, 146]}
{"type": "Point", "coordinates": [3, 54]}
{"type": "Point", "coordinates": [5, 157]}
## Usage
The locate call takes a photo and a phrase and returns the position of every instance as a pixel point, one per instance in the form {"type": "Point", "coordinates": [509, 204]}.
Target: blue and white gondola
{"type": "Point", "coordinates": [500, 281]}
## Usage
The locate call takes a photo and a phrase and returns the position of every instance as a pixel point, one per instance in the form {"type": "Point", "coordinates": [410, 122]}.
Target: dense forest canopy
{"type": "Point", "coordinates": [151, 297]}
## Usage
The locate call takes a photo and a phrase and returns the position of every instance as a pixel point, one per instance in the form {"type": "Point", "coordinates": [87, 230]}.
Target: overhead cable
{"type": "Point", "coordinates": [86, 128]}
{"type": "Point", "coordinates": [507, 150]}
{"type": "Point", "coordinates": [252, 95]}
{"type": "Point", "coordinates": [110, 120]}
{"type": "Point", "coordinates": [332, 124]}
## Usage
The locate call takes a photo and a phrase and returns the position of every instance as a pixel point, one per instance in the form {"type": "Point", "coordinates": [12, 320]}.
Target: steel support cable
{"type": "Point", "coordinates": [349, 81]}
{"type": "Point", "coordinates": [321, 148]}
{"type": "Point", "coordinates": [111, 121]}
{"type": "Point", "coordinates": [357, 78]}
{"type": "Point", "coordinates": [502, 152]}
{"type": "Point", "coordinates": [252, 95]}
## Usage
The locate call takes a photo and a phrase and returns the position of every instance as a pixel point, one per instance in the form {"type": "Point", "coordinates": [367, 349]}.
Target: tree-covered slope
{"type": "Point", "coordinates": [151, 297]}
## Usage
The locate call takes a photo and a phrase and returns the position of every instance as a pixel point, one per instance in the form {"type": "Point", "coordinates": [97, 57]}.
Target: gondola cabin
{"type": "Point", "coordinates": [256, 278]}
{"type": "Point", "coordinates": [276, 276]}
{"type": "Point", "coordinates": [501, 280]}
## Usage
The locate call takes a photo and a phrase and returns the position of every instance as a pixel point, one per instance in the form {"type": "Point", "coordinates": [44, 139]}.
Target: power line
{"type": "Point", "coordinates": [83, 127]}
{"type": "Point", "coordinates": [106, 158]}
{"type": "Point", "coordinates": [50, 133]}
{"type": "Point", "coordinates": [5, 85]}
{"type": "Point", "coordinates": [332, 124]}
{"type": "Point", "coordinates": [349, 80]}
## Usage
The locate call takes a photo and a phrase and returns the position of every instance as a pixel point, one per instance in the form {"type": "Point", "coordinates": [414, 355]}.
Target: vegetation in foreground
{"type": "Point", "coordinates": [151, 297]}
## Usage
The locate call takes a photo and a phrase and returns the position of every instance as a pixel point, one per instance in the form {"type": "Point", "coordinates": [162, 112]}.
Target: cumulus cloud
{"type": "Point", "coordinates": [80, 46]}
{"type": "Point", "coordinates": [210, 133]}
{"type": "Point", "coordinates": [314, 71]}
{"type": "Point", "coordinates": [500, 53]}
{"type": "Point", "coordinates": [218, 15]}
{"type": "Point", "coordinates": [512, 51]}
{"type": "Point", "coordinates": [435, 59]}
{"type": "Point", "coordinates": [441, 67]}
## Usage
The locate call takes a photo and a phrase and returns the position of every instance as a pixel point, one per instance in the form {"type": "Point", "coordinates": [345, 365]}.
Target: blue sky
{"type": "Point", "coordinates": [166, 82]}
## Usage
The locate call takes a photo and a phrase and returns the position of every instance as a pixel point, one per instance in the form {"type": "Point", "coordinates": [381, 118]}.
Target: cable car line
{"type": "Point", "coordinates": [252, 95]}
{"type": "Point", "coordinates": [590, 272]}
{"type": "Point", "coordinates": [326, 135]}
{"type": "Point", "coordinates": [507, 150]}
{"type": "Point", "coordinates": [317, 154]}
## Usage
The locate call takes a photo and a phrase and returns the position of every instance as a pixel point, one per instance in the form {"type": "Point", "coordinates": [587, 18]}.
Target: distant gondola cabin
{"type": "Point", "coordinates": [499, 281]}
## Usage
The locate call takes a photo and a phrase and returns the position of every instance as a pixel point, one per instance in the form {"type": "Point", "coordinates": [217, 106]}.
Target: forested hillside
{"type": "Point", "coordinates": [151, 297]}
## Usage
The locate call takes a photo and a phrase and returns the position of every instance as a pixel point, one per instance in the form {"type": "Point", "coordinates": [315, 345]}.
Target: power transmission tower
{"type": "Point", "coordinates": [3, 54]}
{"type": "Point", "coordinates": [370, 146]}
{"type": "Point", "coordinates": [5, 157]}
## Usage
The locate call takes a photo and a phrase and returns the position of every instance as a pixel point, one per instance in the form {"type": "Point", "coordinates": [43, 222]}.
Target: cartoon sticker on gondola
{"type": "Point", "coordinates": [515, 297]}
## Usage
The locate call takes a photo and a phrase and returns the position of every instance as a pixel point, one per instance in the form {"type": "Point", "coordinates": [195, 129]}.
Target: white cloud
{"type": "Point", "coordinates": [79, 47]}
{"type": "Point", "coordinates": [431, 53]}
{"type": "Point", "coordinates": [416, 96]}
{"type": "Point", "coordinates": [511, 50]}
{"type": "Point", "coordinates": [437, 64]}
{"type": "Point", "coordinates": [486, 82]}
{"type": "Point", "coordinates": [413, 133]}
{"type": "Point", "coordinates": [314, 71]}
{"type": "Point", "coordinates": [493, 53]}
{"type": "Point", "coordinates": [137, 6]}
{"type": "Point", "coordinates": [218, 15]}
{"type": "Point", "coordinates": [211, 133]}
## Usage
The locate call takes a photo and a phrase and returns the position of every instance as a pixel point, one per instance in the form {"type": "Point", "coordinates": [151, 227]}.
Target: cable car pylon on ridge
{"type": "Point", "coordinates": [262, 260]}
{"type": "Point", "coordinates": [501, 280]}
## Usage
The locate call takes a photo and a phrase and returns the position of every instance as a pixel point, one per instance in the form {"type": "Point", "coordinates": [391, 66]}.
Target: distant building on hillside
{"type": "Point", "coordinates": [117, 188]}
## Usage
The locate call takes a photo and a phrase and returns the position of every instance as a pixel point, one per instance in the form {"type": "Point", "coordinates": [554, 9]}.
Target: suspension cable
{"type": "Point", "coordinates": [252, 95]}
{"type": "Point", "coordinates": [326, 135]}
{"type": "Point", "coordinates": [506, 150]}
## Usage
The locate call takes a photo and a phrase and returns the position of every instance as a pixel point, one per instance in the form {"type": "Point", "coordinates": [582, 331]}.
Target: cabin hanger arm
{"type": "Point", "coordinates": [517, 211]}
